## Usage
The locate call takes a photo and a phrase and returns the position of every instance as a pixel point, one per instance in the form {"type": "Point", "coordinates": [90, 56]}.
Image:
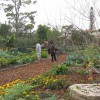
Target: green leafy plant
{"type": "Point", "coordinates": [19, 90]}
{"type": "Point", "coordinates": [82, 72]}
{"type": "Point", "coordinates": [59, 70]}
{"type": "Point", "coordinates": [3, 62]}
{"type": "Point", "coordinates": [44, 54]}
{"type": "Point", "coordinates": [54, 97]}
{"type": "Point", "coordinates": [47, 82]}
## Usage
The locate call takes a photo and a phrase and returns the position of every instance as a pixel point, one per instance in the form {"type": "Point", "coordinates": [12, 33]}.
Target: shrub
{"type": "Point", "coordinates": [3, 62]}
{"type": "Point", "coordinates": [13, 60]}
{"type": "Point", "coordinates": [34, 57]}
{"type": "Point", "coordinates": [59, 70]}
{"type": "Point", "coordinates": [48, 82]}
{"type": "Point", "coordinates": [44, 54]}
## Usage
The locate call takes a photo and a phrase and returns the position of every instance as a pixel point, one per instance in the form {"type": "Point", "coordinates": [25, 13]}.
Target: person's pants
{"type": "Point", "coordinates": [39, 55]}
{"type": "Point", "coordinates": [53, 56]}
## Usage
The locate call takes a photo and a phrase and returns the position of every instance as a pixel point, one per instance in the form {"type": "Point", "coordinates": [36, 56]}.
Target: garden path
{"type": "Point", "coordinates": [28, 71]}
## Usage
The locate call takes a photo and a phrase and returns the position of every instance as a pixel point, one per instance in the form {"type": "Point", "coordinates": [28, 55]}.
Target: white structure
{"type": "Point", "coordinates": [85, 91]}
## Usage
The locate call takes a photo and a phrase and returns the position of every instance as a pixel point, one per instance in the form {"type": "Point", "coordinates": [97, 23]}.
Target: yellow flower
{"type": "Point", "coordinates": [22, 81]}
{"type": "Point", "coordinates": [32, 92]}
{"type": "Point", "coordinates": [6, 92]}
{"type": "Point", "coordinates": [8, 85]}
{"type": "Point", "coordinates": [90, 78]}
{"type": "Point", "coordinates": [27, 95]}
{"type": "Point", "coordinates": [24, 92]}
{"type": "Point", "coordinates": [46, 82]}
{"type": "Point", "coordinates": [1, 87]}
{"type": "Point", "coordinates": [1, 93]}
{"type": "Point", "coordinates": [37, 96]}
{"type": "Point", "coordinates": [90, 64]}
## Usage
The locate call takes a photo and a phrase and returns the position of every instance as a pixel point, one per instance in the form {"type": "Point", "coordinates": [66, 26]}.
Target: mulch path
{"type": "Point", "coordinates": [28, 71]}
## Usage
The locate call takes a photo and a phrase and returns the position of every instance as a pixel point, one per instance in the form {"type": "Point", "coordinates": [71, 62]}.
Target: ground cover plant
{"type": "Point", "coordinates": [16, 57]}
{"type": "Point", "coordinates": [87, 57]}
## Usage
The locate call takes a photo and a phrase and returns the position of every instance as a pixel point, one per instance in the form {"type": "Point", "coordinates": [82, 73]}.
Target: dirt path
{"type": "Point", "coordinates": [28, 71]}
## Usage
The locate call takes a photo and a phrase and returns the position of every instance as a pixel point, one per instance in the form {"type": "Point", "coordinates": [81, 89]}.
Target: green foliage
{"type": "Point", "coordinates": [74, 48]}
{"type": "Point", "coordinates": [96, 63]}
{"type": "Point", "coordinates": [81, 38]}
{"type": "Point", "coordinates": [23, 50]}
{"type": "Point", "coordinates": [47, 82]}
{"type": "Point", "coordinates": [13, 60]}
{"type": "Point", "coordinates": [59, 70]}
{"type": "Point", "coordinates": [29, 27]}
{"type": "Point", "coordinates": [74, 59]}
{"type": "Point", "coordinates": [3, 62]}
{"type": "Point", "coordinates": [10, 41]}
{"type": "Point", "coordinates": [91, 54]}
{"type": "Point", "coordinates": [82, 72]}
{"type": "Point", "coordinates": [18, 91]}
{"type": "Point", "coordinates": [25, 59]}
{"type": "Point", "coordinates": [4, 29]}
{"type": "Point", "coordinates": [19, 56]}
{"type": "Point", "coordinates": [54, 97]}
{"type": "Point", "coordinates": [17, 18]}
{"type": "Point", "coordinates": [5, 54]}
{"type": "Point", "coordinates": [42, 32]}
{"type": "Point", "coordinates": [24, 42]}
{"type": "Point", "coordinates": [46, 33]}
{"type": "Point", "coordinates": [7, 58]}
{"type": "Point", "coordinates": [53, 35]}
{"type": "Point", "coordinates": [44, 54]}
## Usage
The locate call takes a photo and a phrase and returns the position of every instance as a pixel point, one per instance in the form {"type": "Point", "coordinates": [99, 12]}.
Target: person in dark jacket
{"type": "Point", "coordinates": [53, 53]}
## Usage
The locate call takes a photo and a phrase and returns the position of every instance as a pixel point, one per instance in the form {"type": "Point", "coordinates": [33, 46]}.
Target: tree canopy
{"type": "Point", "coordinates": [18, 18]}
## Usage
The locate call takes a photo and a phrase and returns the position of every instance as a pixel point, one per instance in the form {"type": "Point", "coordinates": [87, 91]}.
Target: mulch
{"type": "Point", "coordinates": [27, 71]}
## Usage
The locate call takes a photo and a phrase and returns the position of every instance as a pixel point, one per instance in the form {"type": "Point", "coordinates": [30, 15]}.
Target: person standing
{"type": "Point", "coordinates": [47, 46]}
{"type": "Point", "coordinates": [53, 53]}
{"type": "Point", "coordinates": [38, 50]}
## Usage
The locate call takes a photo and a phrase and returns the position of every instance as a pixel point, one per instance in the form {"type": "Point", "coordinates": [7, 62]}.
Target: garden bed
{"type": "Point", "coordinates": [28, 70]}
{"type": "Point", "coordinates": [37, 68]}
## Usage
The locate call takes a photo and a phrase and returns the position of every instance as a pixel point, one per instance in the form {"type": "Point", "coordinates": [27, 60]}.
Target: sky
{"type": "Point", "coordinates": [66, 12]}
{"type": "Point", "coordinates": [63, 12]}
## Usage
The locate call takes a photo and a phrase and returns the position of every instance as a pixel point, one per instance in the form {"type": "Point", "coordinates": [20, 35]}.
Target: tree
{"type": "Point", "coordinates": [29, 27]}
{"type": "Point", "coordinates": [67, 31]}
{"type": "Point", "coordinates": [42, 32]}
{"type": "Point", "coordinates": [10, 42]}
{"type": "Point", "coordinates": [53, 34]}
{"type": "Point", "coordinates": [81, 37]}
{"type": "Point", "coordinates": [14, 14]}
{"type": "Point", "coordinates": [4, 29]}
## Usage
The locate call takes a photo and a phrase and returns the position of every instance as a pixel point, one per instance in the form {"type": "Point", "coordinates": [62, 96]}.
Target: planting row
{"type": "Point", "coordinates": [16, 57]}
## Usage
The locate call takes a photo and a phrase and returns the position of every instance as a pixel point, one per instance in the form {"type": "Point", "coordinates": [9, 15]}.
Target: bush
{"type": "Point", "coordinates": [44, 54]}
{"type": "Point", "coordinates": [48, 82]}
{"type": "Point", "coordinates": [13, 60]}
{"type": "Point", "coordinates": [3, 62]}
{"type": "Point", "coordinates": [59, 70]}
{"type": "Point", "coordinates": [34, 57]}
